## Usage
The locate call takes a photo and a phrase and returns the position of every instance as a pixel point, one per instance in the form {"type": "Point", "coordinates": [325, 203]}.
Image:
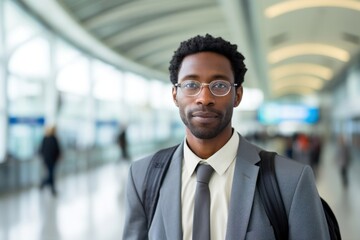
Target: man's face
{"type": "Point", "coordinates": [205, 115]}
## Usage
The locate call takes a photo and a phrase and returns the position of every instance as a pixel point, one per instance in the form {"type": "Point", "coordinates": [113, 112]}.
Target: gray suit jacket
{"type": "Point", "coordinates": [247, 218]}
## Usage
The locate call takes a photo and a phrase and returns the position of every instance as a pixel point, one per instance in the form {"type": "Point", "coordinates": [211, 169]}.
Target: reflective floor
{"type": "Point", "coordinates": [344, 202]}
{"type": "Point", "coordinates": [89, 205]}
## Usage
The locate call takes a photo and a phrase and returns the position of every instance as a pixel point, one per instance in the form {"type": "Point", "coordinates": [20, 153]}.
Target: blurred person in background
{"type": "Point", "coordinates": [50, 152]}
{"type": "Point", "coordinates": [344, 158]}
{"type": "Point", "coordinates": [301, 148]}
{"type": "Point", "coordinates": [315, 152]}
{"type": "Point", "coordinates": [123, 143]}
{"type": "Point", "coordinates": [288, 147]}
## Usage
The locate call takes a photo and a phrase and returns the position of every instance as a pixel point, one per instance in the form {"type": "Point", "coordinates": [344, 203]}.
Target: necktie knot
{"type": "Point", "coordinates": [203, 173]}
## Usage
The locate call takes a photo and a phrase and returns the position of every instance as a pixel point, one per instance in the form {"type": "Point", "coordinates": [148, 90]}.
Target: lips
{"type": "Point", "coordinates": [205, 114]}
{"type": "Point", "coordinates": [205, 118]}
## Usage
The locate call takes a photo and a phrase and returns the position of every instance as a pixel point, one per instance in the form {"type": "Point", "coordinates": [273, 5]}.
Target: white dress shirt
{"type": "Point", "coordinates": [223, 162]}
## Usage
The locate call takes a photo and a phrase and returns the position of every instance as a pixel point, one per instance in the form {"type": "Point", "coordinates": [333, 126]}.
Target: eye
{"type": "Point", "coordinates": [220, 85]}
{"type": "Point", "coordinates": [190, 85]}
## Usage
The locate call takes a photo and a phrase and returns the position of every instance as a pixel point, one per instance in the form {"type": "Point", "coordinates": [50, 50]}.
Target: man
{"type": "Point", "coordinates": [50, 152]}
{"type": "Point", "coordinates": [207, 74]}
{"type": "Point", "coordinates": [122, 142]}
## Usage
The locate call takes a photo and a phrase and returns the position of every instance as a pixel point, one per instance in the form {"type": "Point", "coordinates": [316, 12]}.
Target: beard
{"type": "Point", "coordinates": [206, 131]}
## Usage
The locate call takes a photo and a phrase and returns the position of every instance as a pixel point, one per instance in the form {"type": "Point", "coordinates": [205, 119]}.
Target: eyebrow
{"type": "Point", "coordinates": [196, 77]}
{"type": "Point", "coordinates": [220, 76]}
{"type": "Point", "coordinates": [191, 76]}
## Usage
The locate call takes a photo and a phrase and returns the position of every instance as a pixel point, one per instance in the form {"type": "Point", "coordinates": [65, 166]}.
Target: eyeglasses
{"type": "Point", "coordinates": [218, 88]}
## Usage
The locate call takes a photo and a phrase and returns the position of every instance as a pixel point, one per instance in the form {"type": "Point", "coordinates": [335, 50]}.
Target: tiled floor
{"type": "Point", "coordinates": [90, 205]}
{"type": "Point", "coordinates": [344, 202]}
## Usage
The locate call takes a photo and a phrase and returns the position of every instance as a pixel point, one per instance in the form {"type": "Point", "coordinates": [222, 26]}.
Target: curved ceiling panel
{"type": "Point", "coordinates": [160, 26]}
{"type": "Point", "coordinates": [309, 81]}
{"type": "Point", "coordinates": [293, 90]}
{"type": "Point", "coordinates": [290, 6]}
{"type": "Point", "coordinates": [308, 49]}
{"type": "Point", "coordinates": [133, 10]}
{"type": "Point", "coordinates": [301, 69]}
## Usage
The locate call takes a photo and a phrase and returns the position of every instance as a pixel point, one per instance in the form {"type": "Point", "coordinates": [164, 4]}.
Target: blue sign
{"type": "Point", "coordinates": [108, 123]}
{"type": "Point", "coordinates": [34, 121]}
{"type": "Point", "coordinates": [275, 113]}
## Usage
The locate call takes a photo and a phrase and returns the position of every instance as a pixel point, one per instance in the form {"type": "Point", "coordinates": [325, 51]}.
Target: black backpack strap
{"type": "Point", "coordinates": [154, 177]}
{"type": "Point", "coordinates": [270, 195]}
{"type": "Point", "coordinates": [334, 229]}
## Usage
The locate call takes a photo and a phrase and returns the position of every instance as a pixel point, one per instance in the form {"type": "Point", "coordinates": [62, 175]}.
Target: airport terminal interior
{"type": "Point", "coordinates": [95, 73]}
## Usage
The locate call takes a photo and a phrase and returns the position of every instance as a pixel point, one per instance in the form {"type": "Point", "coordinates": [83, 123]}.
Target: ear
{"type": "Point", "coordinates": [238, 96]}
{"type": "Point", "coordinates": [174, 95]}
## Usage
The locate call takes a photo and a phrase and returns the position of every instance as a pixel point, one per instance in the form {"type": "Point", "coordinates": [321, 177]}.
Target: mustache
{"type": "Point", "coordinates": [204, 110]}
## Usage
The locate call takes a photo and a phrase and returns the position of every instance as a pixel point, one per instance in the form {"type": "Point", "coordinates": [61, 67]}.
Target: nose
{"type": "Point", "coordinates": [205, 96]}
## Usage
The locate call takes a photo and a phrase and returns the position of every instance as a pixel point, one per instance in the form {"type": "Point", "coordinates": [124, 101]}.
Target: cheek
{"type": "Point", "coordinates": [181, 101]}
{"type": "Point", "coordinates": [181, 105]}
{"type": "Point", "coordinates": [230, 102]}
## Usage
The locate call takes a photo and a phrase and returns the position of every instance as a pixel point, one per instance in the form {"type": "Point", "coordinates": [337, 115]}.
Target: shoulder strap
{"type": "Point", "coordinates": [270, 195]}
{"type": "Point", "coordinates": [334, 229]}
{"type": "Point", "coordinates": [154, 177]}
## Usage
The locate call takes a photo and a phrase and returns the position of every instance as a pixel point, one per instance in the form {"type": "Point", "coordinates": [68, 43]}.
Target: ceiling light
{"type": "Point", "coordinates": [308, 49]}
{"type": "Point", "coordinates": [301, 69]}
{"type": "Point", "coordinates": [307, 81]}
{"type": "Point", "coordinates": [293, 90]}
{"type": "Point", "coordinates": [289, 6]}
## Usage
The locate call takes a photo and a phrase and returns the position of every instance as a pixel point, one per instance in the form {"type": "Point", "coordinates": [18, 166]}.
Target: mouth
{"type": "Point", "coordinates": [205, 117]}
{"type": "Point", "coordinates": [201, 114]}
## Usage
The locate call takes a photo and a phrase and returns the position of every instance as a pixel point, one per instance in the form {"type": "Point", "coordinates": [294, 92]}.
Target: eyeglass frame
{"type": "Point", "coordinates": [207, 84]}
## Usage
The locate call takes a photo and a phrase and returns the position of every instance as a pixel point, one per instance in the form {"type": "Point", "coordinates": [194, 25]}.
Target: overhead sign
{"type": "Point", "coordinates": [35, 121]}
{"type": "Point", "coordinates": [275, 113]}
{"type": "Point", "coordinates": [102, 123]}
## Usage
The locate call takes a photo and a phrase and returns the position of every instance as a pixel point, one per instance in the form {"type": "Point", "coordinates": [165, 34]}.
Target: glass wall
{"type": "Point", "coordinates": [45, 80]}
{"type": "Point", "coordinates": [28, 70]}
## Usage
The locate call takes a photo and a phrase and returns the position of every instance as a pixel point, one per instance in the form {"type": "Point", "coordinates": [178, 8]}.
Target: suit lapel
{"type": "Point", "coordinates": [170, 197]}
{"type": "Point", "coordinates": [243, 190]}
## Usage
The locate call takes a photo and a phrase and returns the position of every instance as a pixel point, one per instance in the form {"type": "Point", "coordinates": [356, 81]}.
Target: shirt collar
{"type": "Point", "coordinates": [220, 161]}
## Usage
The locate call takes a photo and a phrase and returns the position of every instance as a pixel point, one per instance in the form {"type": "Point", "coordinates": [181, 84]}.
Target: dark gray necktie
{"type": "Point", "coordinates": [201, 224]}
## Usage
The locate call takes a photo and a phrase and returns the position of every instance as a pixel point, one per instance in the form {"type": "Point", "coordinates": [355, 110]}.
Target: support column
{"type": "Point", "coordinates": [3, 86]}
{"type": "Point", "coordinates": [51, 95]}
{"type": "Point", "coordinates": [91, 101]}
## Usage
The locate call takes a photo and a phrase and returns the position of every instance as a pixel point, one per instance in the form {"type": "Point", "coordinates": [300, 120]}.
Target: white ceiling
{"type": "Point", "coordinates": [317, 38]}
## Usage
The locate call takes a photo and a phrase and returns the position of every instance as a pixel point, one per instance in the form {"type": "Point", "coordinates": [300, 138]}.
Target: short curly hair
{"type": "Point", "coordinates": [208, 43]}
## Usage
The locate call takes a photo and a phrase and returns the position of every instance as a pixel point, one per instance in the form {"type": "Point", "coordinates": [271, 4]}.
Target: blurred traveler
{"type": "Point", "coordinates": [288, 147]}
{"type": "Point", "coordinates": [50, 152]}
{"type": "Point", "coordinates": [123, 143]}
{"type": "Point", "coordinates": [301, 148]}
{"type": "Point", "coordinates": [207, 75]}
{"type": "Point", "coordinates": [315, 152]}
{"type": "Point", "coordinates": [344, 158]}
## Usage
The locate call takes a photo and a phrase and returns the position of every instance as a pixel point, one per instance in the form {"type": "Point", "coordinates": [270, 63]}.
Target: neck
{"type": "Point", "coordinates": [205, 148]}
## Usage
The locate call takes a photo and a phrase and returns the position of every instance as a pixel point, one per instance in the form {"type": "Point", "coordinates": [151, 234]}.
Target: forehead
{"type": "Point", "coordinates": [205, 63]}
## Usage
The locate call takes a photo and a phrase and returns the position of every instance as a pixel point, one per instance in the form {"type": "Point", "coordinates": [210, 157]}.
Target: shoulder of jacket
{"type": "Point", "coordinates": [141, 164]}
{"type": "Point", "coordinates": [285, 163]}
{"type": "Point", "coordinates": [289, 173]}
